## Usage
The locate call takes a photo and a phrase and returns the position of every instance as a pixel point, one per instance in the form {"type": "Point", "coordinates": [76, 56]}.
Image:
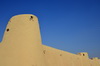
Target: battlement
{"type": "Point", "coordinates": [85, 54]}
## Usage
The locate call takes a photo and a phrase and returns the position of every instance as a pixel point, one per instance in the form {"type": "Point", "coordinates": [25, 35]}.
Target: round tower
{"type": "Point", "coordinates": [21, 45]}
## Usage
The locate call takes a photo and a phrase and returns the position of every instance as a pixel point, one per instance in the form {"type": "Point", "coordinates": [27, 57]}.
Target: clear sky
{"type": "Point", "coordinates": [69, 25]}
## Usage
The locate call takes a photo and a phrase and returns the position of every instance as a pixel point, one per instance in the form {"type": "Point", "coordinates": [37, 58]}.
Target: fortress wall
{"type": "Point", "coordinates": [85, 61]}
{"type": "Point", "coordinates": [95, 62]}
{"type": "Point", "coordinates": [22, 46]}
{"type": "Point", "coordinates": [85, 58]}
{"type": "Point", "coordinates": [55, 57]}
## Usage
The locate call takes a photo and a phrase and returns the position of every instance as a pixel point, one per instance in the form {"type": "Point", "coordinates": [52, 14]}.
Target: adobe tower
{"type": "Point", "coordinates": [21, 45]}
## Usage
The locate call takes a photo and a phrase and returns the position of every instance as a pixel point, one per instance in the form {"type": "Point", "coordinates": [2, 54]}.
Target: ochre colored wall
{"type": "Point", "coordinates": [22, 46]}
{"type": "Point", "coordinates": [55, 57]}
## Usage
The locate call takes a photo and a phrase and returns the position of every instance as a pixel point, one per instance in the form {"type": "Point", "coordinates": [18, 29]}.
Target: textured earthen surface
{"type": "Point", "coordinates": [22, 46]}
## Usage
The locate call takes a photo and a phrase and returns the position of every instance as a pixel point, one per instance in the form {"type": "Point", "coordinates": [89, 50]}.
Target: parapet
{"type": "Point", "coordinates": [95, 58]}
{"type": "Point", "coordinates": [84, 54]}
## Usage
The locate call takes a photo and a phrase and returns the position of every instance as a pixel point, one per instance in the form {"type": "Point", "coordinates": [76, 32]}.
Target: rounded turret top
{"type": "Point", "coordinates": [24, 26]}
{"type": "Point", "coordinates": [24, 17]}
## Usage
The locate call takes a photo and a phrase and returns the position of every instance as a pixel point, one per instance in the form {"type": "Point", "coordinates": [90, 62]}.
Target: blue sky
{"type": "Point", "coordinates": [69, 25]}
